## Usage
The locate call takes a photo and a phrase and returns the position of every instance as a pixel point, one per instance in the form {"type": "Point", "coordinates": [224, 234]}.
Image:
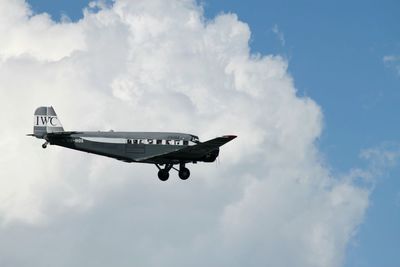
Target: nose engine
{"type": "Point", "coordinates": [212, 156]}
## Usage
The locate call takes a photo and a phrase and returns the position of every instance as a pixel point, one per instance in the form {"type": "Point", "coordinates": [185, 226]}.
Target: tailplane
{"type": "Point", "coordinates": [46, 121]}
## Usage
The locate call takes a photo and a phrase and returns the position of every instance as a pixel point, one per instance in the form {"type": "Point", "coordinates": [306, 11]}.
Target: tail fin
{"type": "Point", "coordinates": [46, 121]}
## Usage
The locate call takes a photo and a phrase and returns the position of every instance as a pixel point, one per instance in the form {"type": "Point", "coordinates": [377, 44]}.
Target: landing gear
{"type": "Point", "coordinates": [163, 173]}
{"type": "Point", "coordinates": [184, 172]}
{"type": "Point", "coordinates": [45, 145]}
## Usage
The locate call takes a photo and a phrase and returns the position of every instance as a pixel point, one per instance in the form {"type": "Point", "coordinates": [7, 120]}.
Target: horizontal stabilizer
{"type": "Point", "coordinates": [63, 133]}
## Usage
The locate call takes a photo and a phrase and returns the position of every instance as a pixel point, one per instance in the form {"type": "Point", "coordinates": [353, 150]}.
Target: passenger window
{"type": "Point", "coordinates": [129, 141]}
{"type": "Point", "coordinates": [159, 142]}
{"type": "Point", "coordinates": [167, 142]}
{"type": "Point", "coordinates": [150, 141]}
{"type": "Point", "coordinates": [185, 143]}
{"type": "Point", "coordinates": [135, 141]}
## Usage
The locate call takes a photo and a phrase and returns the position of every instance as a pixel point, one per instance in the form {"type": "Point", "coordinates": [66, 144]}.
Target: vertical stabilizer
{"type": "Point", "coordinates": [46, 121]}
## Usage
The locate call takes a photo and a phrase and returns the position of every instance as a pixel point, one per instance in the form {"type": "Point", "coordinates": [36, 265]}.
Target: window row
{"type": "Point", "coordinates": [157, 142]}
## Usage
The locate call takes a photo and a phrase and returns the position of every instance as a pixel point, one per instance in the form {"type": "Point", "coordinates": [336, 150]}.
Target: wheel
{"type": "Point", "coordinates": [184, 173]}
{"type": "Point", "coordinates": [44, 145]}
{"type": "Point", "coordinates": [163, 175]}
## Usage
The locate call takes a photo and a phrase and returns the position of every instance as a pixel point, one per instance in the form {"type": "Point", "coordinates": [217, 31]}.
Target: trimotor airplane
{"type": "Point", "coordinates": [159, 148]}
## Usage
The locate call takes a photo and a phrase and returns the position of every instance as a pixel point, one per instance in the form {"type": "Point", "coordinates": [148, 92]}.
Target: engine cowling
{"type": "Point", "coordinates": [212, 156]}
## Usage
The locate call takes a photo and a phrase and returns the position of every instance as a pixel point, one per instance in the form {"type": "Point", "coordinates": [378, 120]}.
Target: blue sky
{"type": "Point", "coordinates": [336, 53]}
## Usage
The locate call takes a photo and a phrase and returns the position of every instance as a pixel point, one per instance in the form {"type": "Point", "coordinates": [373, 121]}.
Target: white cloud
{"type": "Point", "coordinates": [279, 34]}
{"type": "Point", "coordinates": [391, 58]}
{"type": "Point", "coordinates": [160, 65]}
{"type": "Point", "coordinates": [392, 61]}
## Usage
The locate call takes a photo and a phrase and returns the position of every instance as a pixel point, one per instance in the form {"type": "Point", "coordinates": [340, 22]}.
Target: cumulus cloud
{"type": "Point", "coordinates": [161, 66]}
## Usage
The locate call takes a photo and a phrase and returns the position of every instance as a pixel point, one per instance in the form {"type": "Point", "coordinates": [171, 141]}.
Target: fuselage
{"type": "Point", "coordinates": [131, 146]}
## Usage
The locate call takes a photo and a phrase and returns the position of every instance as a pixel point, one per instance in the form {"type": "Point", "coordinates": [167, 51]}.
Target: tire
{"type": "Point", "coordinates": [184, 173]}
{"type": "Point", "coordinates": [163, 175]}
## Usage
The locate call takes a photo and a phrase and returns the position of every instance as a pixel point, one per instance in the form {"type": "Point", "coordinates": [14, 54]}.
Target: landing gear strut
{"type": "Point", "coordinates": [45, 145]}
{"type": "Point", "coordinates": [163, 173]}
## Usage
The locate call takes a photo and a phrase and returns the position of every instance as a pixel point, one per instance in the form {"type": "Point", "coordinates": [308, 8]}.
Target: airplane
{"type": "Point", "coordinates": [163, 149]}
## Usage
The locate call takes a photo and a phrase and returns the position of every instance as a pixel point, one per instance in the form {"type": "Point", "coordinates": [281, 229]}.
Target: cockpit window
{"type": "Point", "coordinates": [194, 139]}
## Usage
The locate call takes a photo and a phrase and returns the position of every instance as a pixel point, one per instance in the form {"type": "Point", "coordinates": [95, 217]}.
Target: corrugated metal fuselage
{"type": "Point", "coordinates": [146, 147]}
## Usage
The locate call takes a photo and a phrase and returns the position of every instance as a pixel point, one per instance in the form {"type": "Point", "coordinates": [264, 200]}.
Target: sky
{"type": "Point", "coordinates": [311, 89]}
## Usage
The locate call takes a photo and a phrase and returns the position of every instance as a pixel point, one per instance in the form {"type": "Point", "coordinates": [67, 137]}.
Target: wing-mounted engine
{"type": "Point", "coordinates": [212, 156]}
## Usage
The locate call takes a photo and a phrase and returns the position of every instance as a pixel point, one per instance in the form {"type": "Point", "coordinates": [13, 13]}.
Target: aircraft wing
{"type": "Point", "coordinates": [196, 151]}
{"type": "Point", "coordinates": [204, 148]}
